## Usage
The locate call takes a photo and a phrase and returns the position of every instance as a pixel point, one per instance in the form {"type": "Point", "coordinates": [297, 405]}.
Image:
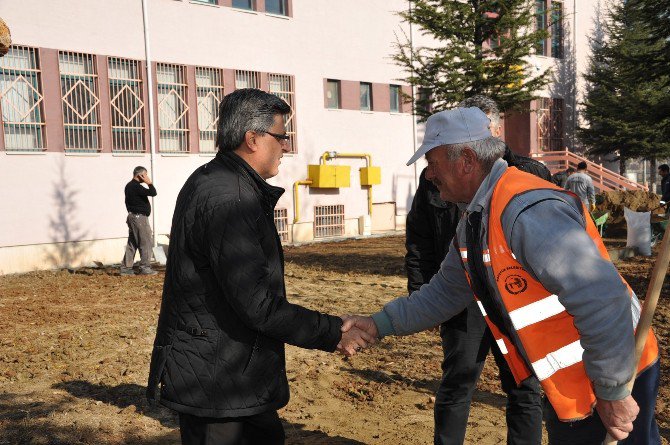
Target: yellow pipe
{"type": "Point", "coordinates": [368, 162]}
{"type": "Point", "coordinates": [296, 199]}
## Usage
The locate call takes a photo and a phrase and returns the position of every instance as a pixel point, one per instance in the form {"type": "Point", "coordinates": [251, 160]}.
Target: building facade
{"type": "Point", "coordinates": [89, 90]}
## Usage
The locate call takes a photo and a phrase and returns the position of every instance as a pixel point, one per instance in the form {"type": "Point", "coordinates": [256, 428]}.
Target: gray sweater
{"type": "Point", "coordinates": [546, 233]}
{"type": "Point", "coordinates": [581, 185]}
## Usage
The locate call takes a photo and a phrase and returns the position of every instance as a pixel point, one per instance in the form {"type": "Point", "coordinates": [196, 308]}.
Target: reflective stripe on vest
{"type": "Point", "coordinates": [546, 331]}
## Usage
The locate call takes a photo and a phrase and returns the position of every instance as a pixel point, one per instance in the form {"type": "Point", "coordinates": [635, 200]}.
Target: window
{"type": "Point", "coordinates": [282, 86]}
{"type": "Point", "coordinates": [328, 221]}
{"type": "Point", "coordinates": [366, 96]}
{"type": "Point", "coordinates": [541, 23]}
{"type": "Point", "coordinates": [247, 79]}
{"type": "Point", "coordinates": [278, 7]}
{"type": "Point", "coordinates": [395, 98]}
{"type": "Point", "coordinates": [550, 124]}
{"type": "Point", "coordinates": [243, 4]}
{"type": "Point", "coordinates": [172, 108]}
{"type": "Point", "coordinates": [209, 87]}
{"type": "Point", "coordinates": [557, 29]}
{"type": "Point", "coordinates": [80, 101]}
{"type": "Point", "coordinates": [425, 101]}
{"type": "Point", "coordinates": [21, 100]}
{"type": "Point", "coordinates": [127, 107]}
{"type": "Point", "coordinates": [333, 94]}
{"type": "Point", "coordinates": [281, 222]}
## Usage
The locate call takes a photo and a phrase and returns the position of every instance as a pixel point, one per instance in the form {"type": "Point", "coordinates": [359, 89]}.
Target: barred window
{"type": "Point", "coordinates": [282, 86]}
{"type": "Point", "coordinates": [172, 108]}
{"type": "Point", "coordinates": [328, 221]}
{"type": "Point", "coordinates": [281, 222]}
{"type": "Point", "coordinates": [550, 124]}
{"type": "Point", "coordinates": [80, 101]}
{"type": "Point", "coordinates": [21, 100]}
{"type": "Point", "coordinates": [127, 107]}
{"type": "Point", "coordinates": [209, 85]}
{"type": "Point", "coordinates": [247, 79]}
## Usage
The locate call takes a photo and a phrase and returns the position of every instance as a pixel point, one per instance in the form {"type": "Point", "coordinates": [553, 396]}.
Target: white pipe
{"type": "Point", "coordinates": [152, 120]}
{"type": "Point", "coordinates": [411, 61]}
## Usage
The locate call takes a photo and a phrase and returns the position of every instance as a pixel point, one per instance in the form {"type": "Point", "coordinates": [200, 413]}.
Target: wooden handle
{"type": "Point", "coordinates": [648, 309]}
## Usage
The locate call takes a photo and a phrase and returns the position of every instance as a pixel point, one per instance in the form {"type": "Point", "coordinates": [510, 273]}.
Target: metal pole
{"type": "Point", "coordinates": [411, 61]}
{"type": "Point", "coordinates": [152, 120]}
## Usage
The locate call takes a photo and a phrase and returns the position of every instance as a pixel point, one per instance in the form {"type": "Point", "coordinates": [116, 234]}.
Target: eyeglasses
{"type": "Point", "coordinates": [281, 138]}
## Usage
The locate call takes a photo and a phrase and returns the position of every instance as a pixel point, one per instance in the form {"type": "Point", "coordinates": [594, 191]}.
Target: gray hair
{"type": "Point", "coordinates": [246, 109]}
{"type": "Point", "coordinates": [137, 170]}
{"type": "Point", "coordinates": [487, 151]}
{"type": "Point", "coordinates": [486, 104]}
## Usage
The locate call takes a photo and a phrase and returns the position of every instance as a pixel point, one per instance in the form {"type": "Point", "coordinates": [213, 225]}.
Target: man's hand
{"type": "Point", "coordinates": [618, 416]}
{"type": "Point", "coordinates": [354, 340]}
{"type": "Point", "coordinates": [144, 176]}
{"type": "Point", "coordinates": [593, 207]}
{"type": "Point", "coordinates": [364, 323]}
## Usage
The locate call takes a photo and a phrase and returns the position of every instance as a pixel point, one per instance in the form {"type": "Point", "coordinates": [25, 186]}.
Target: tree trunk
{"type": "Point", "coordinates": [622, 166]}
{"type": "Point", "coordinates": [652, 174]}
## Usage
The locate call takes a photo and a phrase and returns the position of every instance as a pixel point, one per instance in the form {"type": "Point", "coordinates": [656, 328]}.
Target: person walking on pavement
{"type": "Point", "coordinates": [581, 184]}
{"type": "Point", "coordinates": [140, 236]}
{"type": "Point", "coordinates": [559, 311]}
{"type": "Point", "coordinates": [466, 340]}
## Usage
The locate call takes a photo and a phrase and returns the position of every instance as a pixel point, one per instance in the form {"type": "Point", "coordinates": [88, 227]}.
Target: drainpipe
{"type": "Point", "coordinates": [152, 119]}
{"type": "Point", "coordinates": [411, 61]}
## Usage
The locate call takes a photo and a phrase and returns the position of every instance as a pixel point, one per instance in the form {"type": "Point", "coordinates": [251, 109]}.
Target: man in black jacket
{"type": "Point", "coordinates": [466, 340]}
{"type": "Point", "coordinates": [139, 231]}
{"type": "Point", "coordinates": [664, 172]}
{"type": "Point", "coordinates": [218, 356]}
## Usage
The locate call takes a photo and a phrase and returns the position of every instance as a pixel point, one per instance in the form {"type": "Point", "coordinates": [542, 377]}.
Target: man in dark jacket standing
{"type": "Point", "coordinates": [139, 230]}
{"type": "Point", "coordinates": [466, 340]}
{"type": "Point", "coordinates": [218, 357]}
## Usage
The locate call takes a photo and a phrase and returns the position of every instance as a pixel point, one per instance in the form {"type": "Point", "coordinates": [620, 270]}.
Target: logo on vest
{"type": "Point", "coordinates": [515, 284]}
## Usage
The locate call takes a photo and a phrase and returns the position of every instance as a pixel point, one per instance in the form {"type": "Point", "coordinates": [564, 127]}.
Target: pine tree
{"type": "Point", "coordinates": [463, 62]}
{"type": "Point", "coordinates": [621, 106]}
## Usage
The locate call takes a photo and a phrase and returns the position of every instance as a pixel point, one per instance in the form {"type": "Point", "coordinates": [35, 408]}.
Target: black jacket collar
{"type": "Point", "coordinates": [268, 193]}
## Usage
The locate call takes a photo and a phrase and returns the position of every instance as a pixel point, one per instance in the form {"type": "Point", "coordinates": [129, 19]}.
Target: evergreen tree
{"type": "Point", "coordinates": [482, 48]}
{"type": "Point", "coordinates": [621, 106]}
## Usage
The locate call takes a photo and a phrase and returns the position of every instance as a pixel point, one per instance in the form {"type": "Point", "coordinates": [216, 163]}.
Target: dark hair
{"type": "Point", "coordinates": [582, 166]}
{"type": "Point", "coordinates": [570, 170]}
{"type": "Point", "coordinates": [247, 109]}
{"type": "Point", "coordinates": [664, 168]}
{"type": "Point", "coordinates": [139, 169]}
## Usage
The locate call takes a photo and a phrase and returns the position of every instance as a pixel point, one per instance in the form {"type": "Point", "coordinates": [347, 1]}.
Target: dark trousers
{"type": "Point", "coordinates": [591, 431]}
{"type": "Point", "coordinates": [139, 237]}
{"type": "Point", "coordinates": [466, 341]}
{"type": "Point", "coordinates": [264, 428]}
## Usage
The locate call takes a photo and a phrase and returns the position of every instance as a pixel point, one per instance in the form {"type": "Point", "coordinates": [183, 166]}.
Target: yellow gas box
{"type": "Point", "coordinates": [371, 175]}
{"type": "Point", "coordinates": [329, 176]}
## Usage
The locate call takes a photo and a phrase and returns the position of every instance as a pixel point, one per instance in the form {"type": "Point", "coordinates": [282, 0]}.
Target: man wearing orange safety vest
{"type": "Point", "coordinates": [554, 302]}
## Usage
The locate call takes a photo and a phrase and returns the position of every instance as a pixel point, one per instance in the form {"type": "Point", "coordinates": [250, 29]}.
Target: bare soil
{"type": "Point", "coordinates": [75, 347]}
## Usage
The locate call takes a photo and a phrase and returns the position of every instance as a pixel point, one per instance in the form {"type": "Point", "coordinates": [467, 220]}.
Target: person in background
{"type": "Point", "coordinates": [664, 172]}
{"type": "Point", "coordinates": [581, 184]}
{"type": "Point", "coordinates": [561, 178]}
{"type": "Point", "coordinates": [140, 236]}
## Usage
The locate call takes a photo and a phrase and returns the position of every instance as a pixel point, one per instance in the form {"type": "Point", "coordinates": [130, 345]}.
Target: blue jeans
{"type": "Point", "coordinates": [591, 431]}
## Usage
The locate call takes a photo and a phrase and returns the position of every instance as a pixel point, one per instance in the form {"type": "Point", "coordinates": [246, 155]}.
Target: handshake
{"type": "Point", "coordinates": [358, 332]}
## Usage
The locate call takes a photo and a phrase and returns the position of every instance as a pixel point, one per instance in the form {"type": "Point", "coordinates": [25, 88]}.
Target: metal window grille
{"type": "Point", "coordinates": [557, 29]}
{"type": "Point", "coordinates": [281, 222]}
{"type": "Point", "coordinates": [247, 79]}
{"type": "Point", "coordinates": [127, 107]}
{"type": "Point", "coordinates": [550, 124]}
{"type": "Point", "coordinates": [80, 101]}
{"type": "Point", "coordinates": [21, 100]}
{"type": "Point", "coordinates": [172, 108]}
{"type": "Point", "coordinates": [209, 86]}
{"type": "Point", "coordinates": [328, 221]}
{"type": "Point", "coordinates": [282, 86]}
{"type": "Point", "coordinates": [395, 98]}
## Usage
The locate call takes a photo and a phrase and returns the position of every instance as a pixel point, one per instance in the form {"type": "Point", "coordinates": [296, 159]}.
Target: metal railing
{"type": "Point", "coordinates": [209, 89]}
{"type": "Point", "coordinates": [172, 108]}
{"type": "Point", "coordinates": [281, 222]}
{"type": "Point", "coordinates": [126, 105]}
{"type": "Point", "coordinates": [80, 101]}
{"type": "Point", "coordinates": [282, 86]}
{"type": "Point", "coordinates": [603, 178]}
{"type": "Point", "coordinates": [21, 99]}
{"type": "Point", "coordinates": [328, 221]}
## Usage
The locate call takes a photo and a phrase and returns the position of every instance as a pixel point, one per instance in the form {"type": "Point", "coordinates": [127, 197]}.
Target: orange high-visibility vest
{"type": "Point", "coordinates": [546, 331]}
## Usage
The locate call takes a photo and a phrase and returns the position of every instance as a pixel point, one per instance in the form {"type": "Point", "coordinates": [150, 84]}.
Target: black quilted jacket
{"type": "Point", "coordinates": [224, 318]}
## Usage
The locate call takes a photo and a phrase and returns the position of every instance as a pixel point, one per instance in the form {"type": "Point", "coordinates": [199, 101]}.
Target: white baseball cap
{"type": "Point", "coordinates": [453, 127]}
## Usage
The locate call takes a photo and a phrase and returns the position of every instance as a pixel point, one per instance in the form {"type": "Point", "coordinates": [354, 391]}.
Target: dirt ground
{"type": "Point", "coordinates": [75, 347]}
